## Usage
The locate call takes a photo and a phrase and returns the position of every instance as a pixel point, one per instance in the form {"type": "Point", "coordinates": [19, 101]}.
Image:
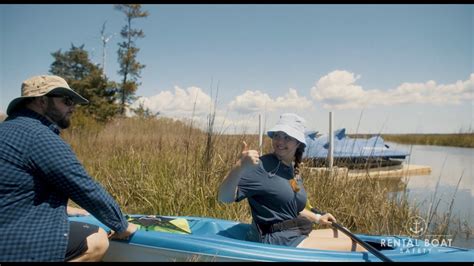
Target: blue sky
{"type": "Point", "coordinates": [396, 68]}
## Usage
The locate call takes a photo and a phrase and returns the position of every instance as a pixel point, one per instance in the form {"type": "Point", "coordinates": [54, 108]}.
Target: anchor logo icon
{"type": "Point", "coordinates": [416, 225]}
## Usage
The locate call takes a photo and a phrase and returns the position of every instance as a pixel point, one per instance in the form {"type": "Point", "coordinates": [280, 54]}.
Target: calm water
{"type": "Point", "coordinates": [448, 165]}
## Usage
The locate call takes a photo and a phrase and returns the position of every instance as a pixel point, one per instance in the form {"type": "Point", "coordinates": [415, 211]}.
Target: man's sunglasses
{"type": "Point", "coordinates": [66, 99]}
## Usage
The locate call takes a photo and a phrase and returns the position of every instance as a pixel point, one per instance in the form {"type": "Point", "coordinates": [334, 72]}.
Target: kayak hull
{"type": "Point", "coordinates": [215, 240]}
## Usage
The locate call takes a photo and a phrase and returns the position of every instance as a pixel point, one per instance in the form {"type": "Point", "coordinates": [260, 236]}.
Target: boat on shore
{"type": "Point", "coordinates": [212, 240]}
{"type": "Point", "coordinates": [353, 153]}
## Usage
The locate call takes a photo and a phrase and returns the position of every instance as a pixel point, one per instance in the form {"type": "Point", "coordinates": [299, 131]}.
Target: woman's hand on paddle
{"type": "Point", "coordinates": [326, 219]}
{"type": "Point", "coordinates": [248, 157]}
{"type": "Point", "coordinates": [132, 228]}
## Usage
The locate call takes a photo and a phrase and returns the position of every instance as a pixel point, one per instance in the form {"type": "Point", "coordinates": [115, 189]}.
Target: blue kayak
{"type": "Point", "coordinates": [212, 239]}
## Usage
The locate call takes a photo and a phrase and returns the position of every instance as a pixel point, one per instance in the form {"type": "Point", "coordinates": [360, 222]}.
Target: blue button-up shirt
{"type": "Point", "coordinates": [39, 172]}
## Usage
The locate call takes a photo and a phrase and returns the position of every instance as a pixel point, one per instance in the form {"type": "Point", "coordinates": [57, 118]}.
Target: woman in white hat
{"type": "Point", "coordinates": [275, 191]}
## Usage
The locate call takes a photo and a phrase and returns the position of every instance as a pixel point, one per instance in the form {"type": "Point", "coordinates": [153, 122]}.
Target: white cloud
{"type": "Point", "coordinates": [241, 115]}
{"type": "Point", "coordinates": [432, 93]}
{"type": "Point", "coordinates": [338, 90]}
{"type": "Point", "coordinates": [236, 124]}
{"type": "Point", "coordinates": [257, 101]}
{"type": "Point", "coordinates": [181, 103]}
{"type": "Point", "coordinates": [250, 102]}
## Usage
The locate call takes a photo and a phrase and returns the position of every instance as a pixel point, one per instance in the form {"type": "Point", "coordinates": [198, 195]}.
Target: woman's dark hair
{"type": "Point", "coordinates": [298, 159]}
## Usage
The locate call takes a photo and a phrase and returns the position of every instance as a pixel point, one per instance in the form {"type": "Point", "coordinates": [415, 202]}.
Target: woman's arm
{"type": "Point", "coordinates": [325, 219]}
{"type": "Point", "coordinates": [228, 188]}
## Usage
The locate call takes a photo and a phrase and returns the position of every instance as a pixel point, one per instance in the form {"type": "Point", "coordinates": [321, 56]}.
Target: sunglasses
{"type": "Point", "coordinates": [66, 99]}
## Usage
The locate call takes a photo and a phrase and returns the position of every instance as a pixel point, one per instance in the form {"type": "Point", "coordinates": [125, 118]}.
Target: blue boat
{"type": "Point", "coordinates": [351, 152]}
{"type": "Point", "coordinates": [212, 240]}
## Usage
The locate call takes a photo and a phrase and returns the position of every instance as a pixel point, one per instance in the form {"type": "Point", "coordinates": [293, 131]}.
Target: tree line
{"type": "Point", "coordinates": [107, 98]}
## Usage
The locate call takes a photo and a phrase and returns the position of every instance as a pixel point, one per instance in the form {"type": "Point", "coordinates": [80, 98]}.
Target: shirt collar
{"type": "Point", "coordinates": [32, 114]}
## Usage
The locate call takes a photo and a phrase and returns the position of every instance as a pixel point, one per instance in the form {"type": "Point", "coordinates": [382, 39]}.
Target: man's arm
{"type": "Point", "coordinates": [59, 166]}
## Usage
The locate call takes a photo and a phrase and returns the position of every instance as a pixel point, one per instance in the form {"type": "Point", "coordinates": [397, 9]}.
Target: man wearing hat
{"type": "Point", "coordinates": [39, 173]}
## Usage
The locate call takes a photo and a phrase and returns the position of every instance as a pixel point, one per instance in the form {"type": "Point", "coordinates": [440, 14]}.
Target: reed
{"type": "Point", "coordinates": [167, 167]}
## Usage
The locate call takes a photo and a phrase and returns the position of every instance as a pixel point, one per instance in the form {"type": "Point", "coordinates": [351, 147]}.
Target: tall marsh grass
{"type": "Point", "coordinates": [167, 167]}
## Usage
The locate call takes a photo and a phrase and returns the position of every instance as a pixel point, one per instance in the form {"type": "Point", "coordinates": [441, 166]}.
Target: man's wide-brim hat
{"type": "Point", "coordinates": [292, 125]}
{"type": "Point", "coordinates": [42, 85]}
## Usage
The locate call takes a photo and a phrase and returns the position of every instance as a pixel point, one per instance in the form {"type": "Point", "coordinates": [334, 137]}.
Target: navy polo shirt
{"type": "Point", "coordinates": [271, 198]}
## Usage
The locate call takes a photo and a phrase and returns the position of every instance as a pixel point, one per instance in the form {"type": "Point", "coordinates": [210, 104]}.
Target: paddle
{"type": "Point", "coordinates": [155, 220]}
{"type": "Point", "coordinates": [371, 249]}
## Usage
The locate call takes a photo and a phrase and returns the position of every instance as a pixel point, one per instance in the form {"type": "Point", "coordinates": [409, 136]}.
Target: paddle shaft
{"type": "Point", "coordinates": [370, 248]}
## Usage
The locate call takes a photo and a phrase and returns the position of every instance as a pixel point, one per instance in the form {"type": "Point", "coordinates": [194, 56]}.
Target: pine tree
{"type": "Point", "coordinates": [130, 68]}
{"type": "Point", "coordinates": [88, 80]}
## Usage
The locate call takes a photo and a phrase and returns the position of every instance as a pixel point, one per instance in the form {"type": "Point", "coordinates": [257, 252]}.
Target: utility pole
{"type": "Point", "coordinates": [331, 142]}
{"type": "Point", "coordinates": [260, 134]}
{"type": "Point", "coordinates": [105, 40]}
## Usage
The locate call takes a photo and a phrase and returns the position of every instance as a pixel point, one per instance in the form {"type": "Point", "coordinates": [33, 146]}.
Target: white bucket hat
{"type": "Point", "coordinates": [292, 125]}
{"type": "Point", "coordinates": [41, 85]}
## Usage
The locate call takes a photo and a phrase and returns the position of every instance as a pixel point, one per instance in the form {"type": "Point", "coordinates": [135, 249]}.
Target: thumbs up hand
{"type": "Point", "coordinates": [248, 157]}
